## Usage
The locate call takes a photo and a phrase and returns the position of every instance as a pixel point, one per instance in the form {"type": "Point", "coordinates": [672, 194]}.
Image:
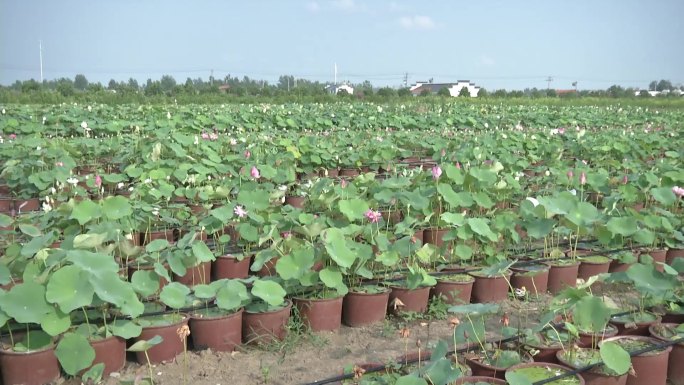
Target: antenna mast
{"type": "Point", "coordinates": [335, 73]}
{"type": "Point", "coordinates": [40, 48]}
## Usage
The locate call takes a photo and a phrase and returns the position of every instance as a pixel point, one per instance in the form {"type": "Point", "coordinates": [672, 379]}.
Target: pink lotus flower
{"type": "Point", "coordinates": [678, 191]}
{"type": "Point", "coordinates": [98, 181]}
{"type": "Point", "coordinates": [255, 173]}
{"type": "Point", "coordinates": [248, 154]}
{"type": "Point", "coordinates": [561, 130]}
{"type": "Point", "coordinates": [12, 136]}
{"type": "Point", "coordinates": [570, 175]}
{"type": "Point", "coordinates": [625, 179]}
{"type": "Point", "coordinates": [240, 211]}
{"type": "Point", "coordinates": [205, 136]}
{"type": "Point", "coordinates": [458, 165]}
{"type": "Point", "coordinates": [286, 234]}
{"type": "Point", "coordinates": [583, 178]}
{"type": "Point", "coordinates": [213, 136]}
{"type": "Point", "coordinates": [436, 172]}
{"type": "Point", "coordinates": [442, 153]}
{"type": "Point", "coordinates": [59, 164]}
{"type": "Point", "coordinates": [373, 216]}
{"type": "Point", "coordinates": [343, 183]}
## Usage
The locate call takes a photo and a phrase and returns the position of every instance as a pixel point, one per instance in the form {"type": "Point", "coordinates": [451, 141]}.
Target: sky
{"type": "Point", "coordinates": [496, 44]}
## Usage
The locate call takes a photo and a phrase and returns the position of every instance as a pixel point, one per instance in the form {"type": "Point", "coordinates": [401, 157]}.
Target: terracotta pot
{"type": "Point", "coordinates": [534, 278]}
{"type": "Point", "coordinates": [329, 172]}
{"type": "Point", "coordinates": [482, 369]}
{"type": "Point", "coordinates": [674, 318]}
{"type": "Point", "coordinates": [361, 309]}
{"type": "Point", "coordinates": [269, 268]}
{"type": "Point", "coordinates": [545, 365]}
{"type": "Point", "coordinates": [672, 254]}
{"type": "Point", "coordinates": [434, 236]}
{"type": "Point", "coordinates": [37, 367]}
{"type": "Point", "coordinates": [132, 268]}
{"type": "Point", "coordinates": [220, 333]}
{"type": "Point", "coordinates": [618, 267]}
{"type": "Point", "coordinates": [590, 340]}
{"type": "Point", "coordinates": [198, 275]}
{"type": "Point", "coordinates": [6, 205]}
{"type": "Point", "coordinates": [659, 255]}
{"type": "Point", "coordinates": [227, 266]}
{"type": "Point", "coordinates": [650, 368]}
{"type": "Point", "coordinates": [588, 268]}
{"type": "Point", "coordinates": [453, 292]}
{"type": "Point", "coordinates": [263, 328]}
{"type": "Point", "coordinates": [476, 379]}
{"type": "Point", "coordinates": [148, 237]}
{"type": "Point", "coordinates": [562, 276]}
{"type": "Point", "coordinates": [419, 235]}
{"type": "Point", "coordinates": [546, 353]}
{"type": "Point", "coordinates": [641, 328]}
{"type": "Point", "coordinates": [593, 377]}
{"type": "Point", "coordinates": [320, 314]}
{"type": "Point", "coordinates": [349, 172]}
{"type": "Point", "coordinates": [415, 300]}
{"type": "Point", "coordinates": [675, 367]}
{"type": "Point", "coordinates": [168, 349]}
{"type": "Point", "coordinates": [392, 216]}
{"type": "Point", "coordinates": [490, 289]}
{"type": "Point", "coordinates": [296, 202]}
{"type": "Point", "coordinates": [26, 205]}
{"type": "Point", "coordinates": [110, 351]}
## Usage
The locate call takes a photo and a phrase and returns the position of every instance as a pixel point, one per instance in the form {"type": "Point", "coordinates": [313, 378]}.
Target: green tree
{"type": "Point", "coordinates": [653, 85]}
{"type": "Point", "coordinates": [464, 92]}
{"type": "Point", "coordinates": [133, 84]}
{"type": "Point", "coordinates": [80, 82]}
{"type": "Point", "coordinates": [403, 92]}
{"type": "Point", "coordinates": [551, 93]}
{"type": "Point", "coordinates": [386, 92]}
{"type": "Point", "coordinates": [444, 91]}
{"type": "Point", "coordinates": [112, 85]}
{"type": "Point", "coordinates": [482, 93]}
{"type": "Point", "coordinates": [65, 87]}
{"type": "Point", "coordinates": [167, 83]}
{"type": "Point", "coordinates": [664, 85]}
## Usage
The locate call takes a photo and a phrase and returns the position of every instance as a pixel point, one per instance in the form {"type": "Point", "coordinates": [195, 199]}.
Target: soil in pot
{"type": "Point", "coordinates": [672, 332]}
{"type": "Point", "coordinates": [231, 266]}
{"type": "Point", "coordinates": [31, 365]}
{"type": "Point", "coordinates": [216, 329]}
{"type": "Point", "coordinates": [365, 306]}
{"type": "Point", "coordinates": [263, 324]}
{"type": "Point", "coordinates": [320, 314]}
{"type": "Point", "coordinates": [197, 275]}
{"type": "Point", "coordinates": [635, 324]}
{"type": "Point", "coordinates": [489, 288]}
{"type": "Point", "coordinates": [495, 363]}
{"type": "Point", "coordinates": [593, 265]}
{"type": "Point", "coordinates": [534, 278]}
{"type": "Point", "coordinates": [600, 375]}
{"type": "Point", "coordinates": [402, 299]}
{"type": "Point", "coordinates": [166, 326]}
{"type": "Point", "coordinates": [650, 368]}
{"type": "Point", "coordinates": [455, 289]}
{"type": "Point", "coordinates": [562, 274]}
{"type": "Point", "coordinates": [538, 371]}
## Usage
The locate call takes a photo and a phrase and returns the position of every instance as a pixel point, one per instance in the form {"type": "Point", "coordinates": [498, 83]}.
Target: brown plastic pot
{"type": "Point", "coordinates": [481, 369]}
{"type": "Point", "coordinates": [148, 237]}
{"type": "Point", "coordinates": [6, 205]}
{"type": "Point", "coordinates": [453, 292]}
{"type": "Point", "coordinates": [349, 172]}
{"type": "Point", "coordinates": [545, 365]}
{"type": "Point", "coordinates": [26, 205]}
{"type": "Point", "coordinates": [415, 300]}
{"type": "Point", "coordinates": [618, 267]}
{"type": "Point", "coordinates": [228, 266]}
{"type": "Point", "coordinates": [592, 377]}
{"type": "Point", "coordinates": [546, 353]}
{"type": "Point", "coordinates": [641, 328]}
{"type": "Point", "coordinates": [536, 283]}
{"type": "Point", "coordinates": [296, 202]}
{"type": "Point", "coordinates": [361, 309]}
{"type": "Point", "coordinates": [658, 255]}
{"type": "Point", "coordinates": [219, 333]}
{"type": "Point", "coordinates": [133, 267]}
{"type": "Point", "coordinates": [475, 379]}
{"type": "Point", "coordinates": [168, 349]}
{"type": "Point", "coordinates": [36, 367]}
{"type": "Point", "coordinates": [198, 275]}
{"type": "Point", "coordinates": [649, 368]}
{"type": "Point", "coordinates": [675, 367]}
{"type": "Point", "coordinates": [110, 351]}
{"type": "Point", "coordinates": [562, 276]}
{"type": "Point", "coordinates": [434, 236]}
{"type": "Point", "coordinates": [490, 289]}
{"type": "Point", "coordinates": [672, 254]}
{"type": "Point", "coordinates": [673, 318]}
{"type": "Point", "coordinates": [588, 268]}
{"type": "Point", "coordinates": [320, 314]}
{"type": "Point", "coordinates": [263, 328]}
{"type": "Point", "coordinates": [589, 340]}
{"type": "Point", "coordinates": [269, 268]}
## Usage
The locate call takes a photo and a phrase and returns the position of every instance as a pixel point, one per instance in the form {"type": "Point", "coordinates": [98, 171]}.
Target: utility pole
{"type": "Point", "coordinates": [405, 79]}
{"type": "Point", "coordinates": [40, 48]}
{"type": "Point", "coordinates": [211, 78]}
{"type": "Point", "coordinates": [288, 84]}
{"type": "Point", "coordinates": [335, 73]}
{"type": "Point", "coordinates": [548, 82]}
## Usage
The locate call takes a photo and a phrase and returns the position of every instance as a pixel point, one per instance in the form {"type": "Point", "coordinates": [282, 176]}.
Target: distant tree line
{"type": "Point", "coordinates": [286, 88]}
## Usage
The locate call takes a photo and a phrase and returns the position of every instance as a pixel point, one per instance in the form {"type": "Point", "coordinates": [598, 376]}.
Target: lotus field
{"type": "Point", "coordinates": [166, 229]}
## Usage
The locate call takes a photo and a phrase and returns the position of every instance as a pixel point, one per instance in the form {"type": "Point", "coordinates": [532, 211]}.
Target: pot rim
{"type": "Point", "coordinates": [287, 307]}
{"type": "Point", "coordinates": [300, 299]}
{"type": "Point", "coordinates": [642, 338]}
{"type": "Point", "coordinates": [10, 352]}
{"type": "Point", "coordinates": [194, 317]}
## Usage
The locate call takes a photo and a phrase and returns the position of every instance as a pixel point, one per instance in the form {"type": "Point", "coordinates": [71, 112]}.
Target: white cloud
{"type": "Point", "coordinates": [313, 6]}
{"type": "Point", "coordinates": [348, 5]}
{"type": "Point", "coordinates": [487, 61]}
{"type": "Point", "coordinates": [417, 22]}
{"type": "Point", "coordinates": [397, 7]}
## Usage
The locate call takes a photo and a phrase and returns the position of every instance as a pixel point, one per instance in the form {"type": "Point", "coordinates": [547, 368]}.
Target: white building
{"type": "Point", "coordinates": [454, 88]}
{"type": "Point", "coordinates": [336, 88]}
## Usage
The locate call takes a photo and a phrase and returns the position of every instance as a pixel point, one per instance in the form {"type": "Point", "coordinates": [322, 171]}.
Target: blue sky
{"type": "Point", "coordinates": [497, 44]}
